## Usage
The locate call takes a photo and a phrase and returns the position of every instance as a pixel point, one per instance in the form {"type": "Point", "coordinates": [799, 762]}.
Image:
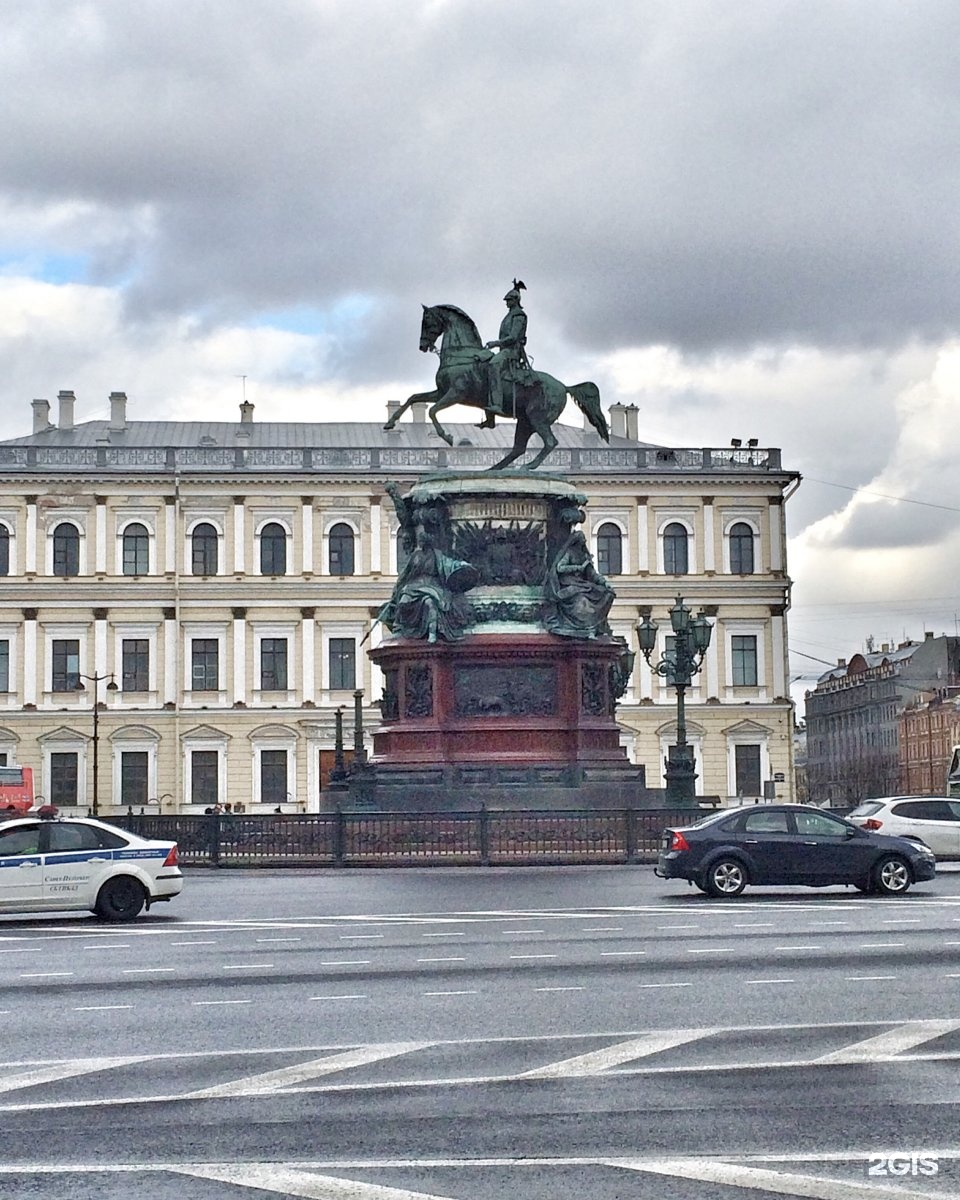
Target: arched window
{"type": "Point", "coordinates": [136, 550]}
{"type": "Point", "coordinates": [609, 549]}
{"type": "Point", "coordinates": [203, 543]}
{"type": "Point", "coordinates": [273, 549]}
{"type": "Point", "coordinates": [341, 550]}
{"type": "Point", "coordinates": [4, 550]}
{"type": "Point", "coordinates": [66, 550]}
{"type": "Point", "coordinates": [741, 549]}
{"type": "Point", "coordinates": [675, 558]}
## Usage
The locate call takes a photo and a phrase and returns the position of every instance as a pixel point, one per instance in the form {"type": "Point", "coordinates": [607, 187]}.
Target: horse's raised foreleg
{"type": "Point", "coordinates": [420, 396]}
{"type": "Point", "coordinates": [447, 400]}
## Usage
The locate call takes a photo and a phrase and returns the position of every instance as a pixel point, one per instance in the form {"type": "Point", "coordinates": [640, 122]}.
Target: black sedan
{"type": "Point", "coordinates": [789, 844]}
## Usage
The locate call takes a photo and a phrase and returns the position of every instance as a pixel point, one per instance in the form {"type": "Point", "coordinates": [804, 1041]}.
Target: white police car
{"type": "Point", "coordinates": [77, 863]}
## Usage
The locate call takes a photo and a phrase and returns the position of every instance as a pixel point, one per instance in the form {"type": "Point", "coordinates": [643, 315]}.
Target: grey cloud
{"type": "Point", "coordinates": [706, 175]}
{"type": "Point", "coordinates": [886, 525]}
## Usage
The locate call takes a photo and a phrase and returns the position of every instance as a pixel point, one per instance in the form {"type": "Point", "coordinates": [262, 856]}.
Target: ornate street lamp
{"type": "Point", "coordinates": [679, 664]}
{"type": "Point", "coordinates": [96, 680]}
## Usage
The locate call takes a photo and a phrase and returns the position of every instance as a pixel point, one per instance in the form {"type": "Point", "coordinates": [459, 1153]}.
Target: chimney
{"type": "Point", "coordinates": [632, 413]}
{"type": "Point", "coordinates": [246, 413]}
{"type": "Point", "coordinates": [928, 635]}
{"type": "Point", "coordinates": [618, 420]}
{"type": "Point", "coordinates": [67, 401]}
{"type": "Point", "coordinates": [118, 411]}
{"type": "Point", "coordinates": [841, 662]}
{"type": "Point", "coordinates": [41, 415]}
{"type": "Point", "coordinates": [419, 412]}
{"type": "Point", "coordinates": [393, 407]}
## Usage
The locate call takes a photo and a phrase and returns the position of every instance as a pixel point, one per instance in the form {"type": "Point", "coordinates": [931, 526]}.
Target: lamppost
{"type": "Point", "coordinates": [679, 664]}
{"type": "Point", "coordinates": [96, 680]}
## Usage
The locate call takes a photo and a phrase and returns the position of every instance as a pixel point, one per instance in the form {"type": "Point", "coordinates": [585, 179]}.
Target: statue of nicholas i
{"type": "Point", "coordinates": [508, 365]}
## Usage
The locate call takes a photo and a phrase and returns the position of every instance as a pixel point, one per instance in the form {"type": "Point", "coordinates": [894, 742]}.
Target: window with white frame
{"type": "Point", "coordinates": [65, 665]}
{"type": "Point", "coordinates": [64, 775]}
{"type": "Point", "coordinates": [204, 549]}
{"type": "Point", "coordinates": [274, 765]}
{"type": "Point", "coordinates": [135, 549]}
{"type": "Point", "coordinates": [4, 664]}
{"type": "Point", "coordinates": [743, 659]}
{"type": "Point", "coordinates": [740, 542]}
{"type": "Point", "coordinates": [204, 664]}
{"type": "Point", "coordinates": [610, 549]}
{"type": "Point", "coordinates": [66, 549]}
{"type": "Point", "coordinates": [342, 663]}
{"type": "Point", "coordinates": [747, 769]}
{"type": "Point", "coordinates": [135, 665]}
{"type": "Point", "coordinates": [134, 777]}
{"type": "Point", "coordinates": [273, 549]}
{"type": "Point", "coordinates": [5, 541]}
{"type": "Point", "coordinates": [273, 664]}
{"type": "Point", "coordinates": [204, 775]}
{"type": "Point", "coordinates": [341, 549]}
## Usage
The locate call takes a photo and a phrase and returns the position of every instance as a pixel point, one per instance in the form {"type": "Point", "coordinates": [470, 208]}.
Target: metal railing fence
{"type": "Point", "coordinates": [486, 837]}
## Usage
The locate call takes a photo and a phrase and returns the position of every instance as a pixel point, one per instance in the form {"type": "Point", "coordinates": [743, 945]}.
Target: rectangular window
{"type": "Point", "coordinates": [66, 665]}
{"type": "Point", "coordinates": [205, 664]}
{"type": "Point", "coordinates": [743, 654]}
{"type": "Point", "coordinates": [747, 760]}
{"type": "Point", "coordinates": [273, 664]}
{"type": "Point", "coordinates": [273, 776]}
{"type": "Point", "coordinates": [133, 777]}
{"type": "Point", "coordinates": [63, 779]}
{"type": "Point", "coordinates": [204, 777]}
{"type": "Point", "coordinates": [4, 665]}
{"type": "Point", "coordinates": [343, 671]}
{"type": "Point", "coordinates": [135, 672]}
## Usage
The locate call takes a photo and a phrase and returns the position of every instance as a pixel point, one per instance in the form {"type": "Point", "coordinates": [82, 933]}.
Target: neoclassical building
{"type": "Point", "coordinates": [212, 587]}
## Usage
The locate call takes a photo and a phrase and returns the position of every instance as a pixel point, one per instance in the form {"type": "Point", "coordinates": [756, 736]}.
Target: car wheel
{"type": "Point", "coordinates": [726, 877]}
{"type": "Point", "coordinates": [120, 899]}
{"type": "Point", "coordinates": [891, 876]}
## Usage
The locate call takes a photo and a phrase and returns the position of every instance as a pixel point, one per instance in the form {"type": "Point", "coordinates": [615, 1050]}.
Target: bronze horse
{"type": "Point", "coordinates": [463, 378]}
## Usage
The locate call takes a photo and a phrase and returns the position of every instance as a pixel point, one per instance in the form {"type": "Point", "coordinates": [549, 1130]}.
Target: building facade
{"type": "Point", "coordinates": [212, 589]}
{"type": "Point", "coordinates": [854, 716]}
{"type": "Point", "coordinates": [929, 737]}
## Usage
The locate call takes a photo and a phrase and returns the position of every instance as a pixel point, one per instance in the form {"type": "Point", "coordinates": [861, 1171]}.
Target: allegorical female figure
{"type": "Point", "coordinates": [428, 600]}
{"type": "Point", "coordinates": [577, 598]}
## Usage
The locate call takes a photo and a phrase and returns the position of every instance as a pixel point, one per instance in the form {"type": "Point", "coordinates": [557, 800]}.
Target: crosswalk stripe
{"type": "Point", "coordinates": [892, 1041]}
{"type": "Point", "coordinates": [55, 1072]}
{"type": "Point", "coordinates": [597, 1061]}
{"type": "Point", "coordinates": [289, 1181]}
{"type": "Point", "coordinates": [269, 1081]}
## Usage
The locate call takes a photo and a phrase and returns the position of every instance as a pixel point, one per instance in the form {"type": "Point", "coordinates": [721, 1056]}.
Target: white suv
{"type": "Point", "coordinates": [76, 864]}
{"type": "Point", "coordinates": [934, 820]}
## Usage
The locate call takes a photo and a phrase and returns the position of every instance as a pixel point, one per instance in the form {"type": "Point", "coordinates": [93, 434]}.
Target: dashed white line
{"type": "Point", "coordinates": [881, 945]}
{"type": "Point", "coordinates": [23, 950]}
{"type": "Point", "coordinates": [344, 962]}
{"type": "Point", "coordinates": [798, 947]}
{"type": "Point", "coordinates": [46, 974]}
{"type": "Point", "coordinates": [429, 960]}
{"type": "Point", "coordinates": [533, 955]}
{"type": "Point", "coordinates": [245, 966]}
{"type": "Point", "coordinates": [446, 933]}
{"type": "Point", "coordinates": [770, 981]}
{"type": "Point", "coordinates": [673, 927]}
{"type": "Point", "coordinates": [710, 950]}
{"type": "Point", "coordinates": [111, 946]}
{"type": "Point", "coordinates": [279, 939]}
{"type": "Point", "coordinates": [211, 1003]}
{"type": "Point", "coordinates": [756, 925]}
{"type": "Point", "coordinates": [101, 1007]}
{"type": "Point", "coordinates": [360, 937]}
{"type": "Point", "coordinates": [521, 931]}
{"type": "Point", "coordinates": [193, 943]}
{"type": "Point", "coordinates": [620, 953]}
{"type": "Point", "coordinates": [902, 921]}
{"type": "Point", "coordinates": [602, 929]}
{"type": "Point", "coordinates": [353, 997]}
{"type": "Point", "coordinates": [866, 978]}
{"type": "Point", "coordinates": [559, 989]}
{"type": "Point", "coordinates": [663, 985]}
{"type": "Point", "coordinates": [448, 993]}
{"type": "Point", "coordinates": [149, 970]}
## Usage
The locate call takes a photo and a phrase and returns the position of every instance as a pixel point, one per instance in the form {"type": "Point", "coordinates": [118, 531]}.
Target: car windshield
{"type": "Point", "coordinates": [866, 809]}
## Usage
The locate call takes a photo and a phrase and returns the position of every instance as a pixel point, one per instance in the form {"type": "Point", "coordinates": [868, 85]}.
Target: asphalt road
{"type": "Point", "coordinates": [390, 1035]}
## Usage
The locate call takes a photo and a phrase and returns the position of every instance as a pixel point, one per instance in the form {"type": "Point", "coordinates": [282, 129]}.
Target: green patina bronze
{"type": "Point", "coordinates": [497, 378]}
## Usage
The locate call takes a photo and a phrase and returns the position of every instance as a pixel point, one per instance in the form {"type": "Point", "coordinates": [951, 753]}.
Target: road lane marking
{"type": "Point", "coordinates": [360, 937]}
{"type": "Point", "coordinates": [193, 943]}
{"type": "Point", "coordinates": [881, 945]}
{"type": "Point", "coordinates": [446, 933]}
{"type": "Point", "coordinates": [602, 929]}
{"type": "Point", "coordinates": [569, 988]}
{"type": "Point", "coordinates": [756, 925]}
{"type": "Point", "coordinates": [289, 1180]}
{"type": "Point", "coordinates": [344, 962]}
{"type": "Point", "coordinates": [620, 953]}
{"type": "Point", "coordinates": [148, 970]}
{"type": "Point", "coordinates": [57, 1072]}
{"type": "Point", "coordinates": [354, 997]}
{"type": "Point", "coordinates": [798, 947]}
{"type": "Point", "coordinates": [100, 1007]}
{"type": "Point", "coordinates": [866, 978]}
{"type": "Point", "coordinates": [111, 946]}
{"type": "Point", "coordinates": [211, 1003]}
{"type": "Point", "coordinates": [450, 993]}
{"type": "Point", "coordinates": [770, 981]}
{"type": "Point", "coordinates": [522, 931]}
{"type": "Point", "coordinates": [428, 960]}
{"type": "Point", "coordinates": [672, 927]}
{"type": "Point", "coordinates": [245, 966]}
{"type": "Point", "coordinates": [46, 975]}
{"type": "Point", "coordinates": [266, 1082]}
{"type": "Point", "coordinates": [533, 956]}
{"type": "Point", "coordinates": [711, 950]}
{"type": "Point", "coordinates": [902, 921]}
{"type": "Point", "coordinates": [891, 1042]}
{"type": "Point", "coordinates": [595, 1062]}
{"type": "Point", "coordinates": [663, 985]}
{"type": "Point", "coordinates": [279, 939]}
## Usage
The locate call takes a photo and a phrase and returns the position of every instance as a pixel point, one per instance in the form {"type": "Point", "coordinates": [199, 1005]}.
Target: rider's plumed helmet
{"type": "Point", "coordinates": [514, 293]}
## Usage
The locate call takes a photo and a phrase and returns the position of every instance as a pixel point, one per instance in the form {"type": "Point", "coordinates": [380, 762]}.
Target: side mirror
{"type": "Point", "coordinates": [852, 831]}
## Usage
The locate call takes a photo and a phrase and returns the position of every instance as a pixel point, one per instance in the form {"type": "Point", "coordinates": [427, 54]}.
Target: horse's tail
{"type": "Point", "coordinates": [587, 397]}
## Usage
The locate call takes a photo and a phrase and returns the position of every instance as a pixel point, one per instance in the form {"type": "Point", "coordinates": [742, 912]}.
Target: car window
{"type": "Point", "coordinates": [765, 822]}
{"type": "Point", "coordinates": [20, 839]}
{"type": "Point", "coordinates": [709, 819]}
{"type": "Point", "coordinates": [867, 808]}
{"type": "Point", "coordinates": [818, 824]}
{"type": "Point", "coordinates": [66, 835]}
{"type": "Point", "coordinates": [923, 810]}
{"type": "Point", "coordinates": [954, 806]}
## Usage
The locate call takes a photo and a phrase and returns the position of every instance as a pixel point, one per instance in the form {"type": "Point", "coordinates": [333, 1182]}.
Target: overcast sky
{"type": "Point", "coordinates": [741, 217]}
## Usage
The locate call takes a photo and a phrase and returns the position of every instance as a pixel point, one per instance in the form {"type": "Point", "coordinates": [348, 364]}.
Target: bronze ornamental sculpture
{"type": "Point", "coordinates": [501, 383]}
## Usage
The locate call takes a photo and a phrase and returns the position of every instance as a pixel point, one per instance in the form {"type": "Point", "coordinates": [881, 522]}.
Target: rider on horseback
{"type": "Point", "coordinates": [511, 360]}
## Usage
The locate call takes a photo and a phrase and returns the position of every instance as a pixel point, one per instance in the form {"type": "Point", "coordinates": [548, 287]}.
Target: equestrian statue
{"type": "Point", "coordinates": [497, 377]}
